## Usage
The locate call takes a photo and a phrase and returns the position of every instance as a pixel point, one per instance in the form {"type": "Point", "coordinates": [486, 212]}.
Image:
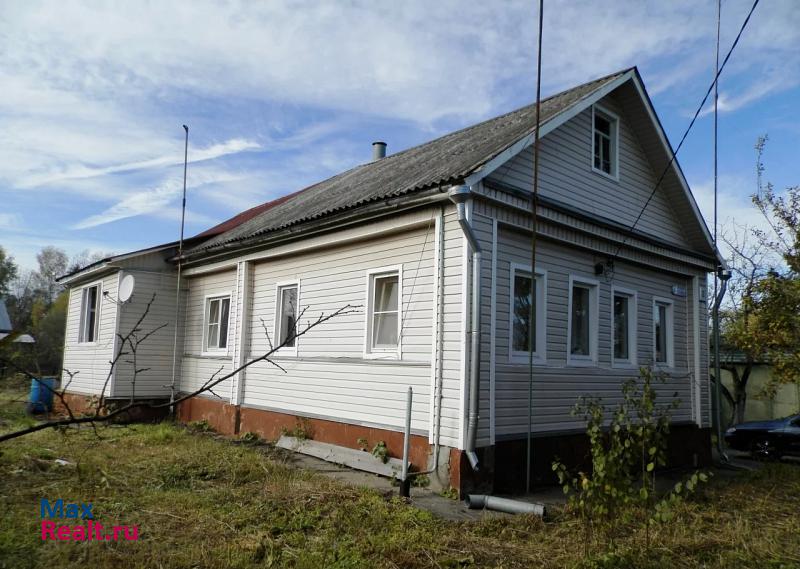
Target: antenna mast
{"type": "Point", "coordinates": [534, 227]}
{"type": "Point", "coordinates": [178, 285]}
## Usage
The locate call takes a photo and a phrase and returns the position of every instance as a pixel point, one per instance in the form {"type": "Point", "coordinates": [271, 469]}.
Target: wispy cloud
{"type": "Point", "coordinates": [153, 200]}
{"type": "Point", "coordinates": [79, 172]}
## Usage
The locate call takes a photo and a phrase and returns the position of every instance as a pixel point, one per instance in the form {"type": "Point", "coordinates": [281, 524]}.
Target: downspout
{"type": "Point", "coordinates": [460, 195]}
{"type": "Point", "coordinates": [724, 276]}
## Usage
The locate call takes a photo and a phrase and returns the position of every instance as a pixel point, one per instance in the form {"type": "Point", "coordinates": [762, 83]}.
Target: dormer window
{"type": "Point", "coordinates": [604, 142]}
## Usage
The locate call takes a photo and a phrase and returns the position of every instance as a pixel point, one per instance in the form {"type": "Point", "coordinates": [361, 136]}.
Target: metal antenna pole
{"type": "Point", "coordinates": [178, 284]}
{"type": "Point", "coordinates": [534, 227]}
{"type": "Point", "coordinates": [715, 314]}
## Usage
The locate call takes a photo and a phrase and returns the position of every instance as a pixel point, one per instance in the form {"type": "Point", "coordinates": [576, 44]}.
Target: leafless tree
{"type": "Point", "coordinates": [103, 411]}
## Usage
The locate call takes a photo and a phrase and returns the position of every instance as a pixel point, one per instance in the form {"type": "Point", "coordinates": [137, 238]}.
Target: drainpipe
{"type": "Point", "coordinates": [724, 276]}
{"type": "Point", "coordinates": [460, 195]}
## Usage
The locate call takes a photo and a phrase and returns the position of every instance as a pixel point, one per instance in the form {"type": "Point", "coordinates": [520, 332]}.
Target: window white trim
{"type": "Point", "coordinates": [630, 361]}
{"type": "Point", "coordinates": [540, 350]}
{"type": "Point", "coordinates": [82, 321]}
{"type": "Point", "coordinates": [378, 353]}
{"type": "Point", "coordinates": [286, 350]}
{"type": "Point", "coordinates": [670, 339]}
{"type": "Point", "coordinates": [210, 351]}
{"type": "Point", "coordinates": [613, 119]}
{"type": "Point", "coordinates": [594, 289]}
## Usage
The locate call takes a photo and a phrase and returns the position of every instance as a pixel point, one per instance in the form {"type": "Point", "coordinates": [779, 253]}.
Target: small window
{"type": "Point", "coordinates": [217, 318]}
{"type": "Point", "coordinates": [623, 320]}
{"type": "Point", "coordinates": [287, 316]}
{"type": "Point", "coordinates": [662, 333]}
{"type": "Point", "coordinates": [523, 291]}
{"type": "Point", "coordinates": [582, 323]}
{"type": "Point", "coordinates": [604, 142]}
{"type": "Point", "coordinates": [90, 310]}
{"type": "Point", "coordinates": [383, 318]}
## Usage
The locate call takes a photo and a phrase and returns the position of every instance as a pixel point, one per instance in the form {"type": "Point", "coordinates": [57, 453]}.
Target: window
{"type": "Point", "coordinates": [217, 317]}
{"type": "Point", "coordinates": [662, 333]}
{"type": "Point", "coordinates": [604, 142]}
{"type": "Point", "coordinates": [383, 315]}
{"type": "Point", "coordinates": [522, 335]}
{"type": "Point", "coordinates": [90, 312]}
{"type": "Point", "coordinates": [287, 314]}
{"type": "Point", "coordinates": [623, 320]}
{"type": "Point", "coordinates": [582, 322]}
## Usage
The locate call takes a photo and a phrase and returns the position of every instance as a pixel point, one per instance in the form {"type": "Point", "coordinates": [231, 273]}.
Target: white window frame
{"type": "Point", "coordinates": [388, 353]}
{"type": "Point", "coordinates": [207, 350]}
{"type": "Point", "coordinates": [279, 287]}
{"type": "Point", "coordinates": [670, 304]}
{"type": "Point", "coordinates": [594, 306]}
{"type": "Point", "coordinates": [613, 119]}
{"type": "Point", "coordinates": [540, 351]}
{"type": "Point", "coordinates": [82, 321]}
{"type": "Point", "coordinates": [633, 335]}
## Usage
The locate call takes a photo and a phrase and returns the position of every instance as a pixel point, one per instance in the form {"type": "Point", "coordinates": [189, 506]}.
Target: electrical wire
{"type": "Point", "coordinates": [711, 88]}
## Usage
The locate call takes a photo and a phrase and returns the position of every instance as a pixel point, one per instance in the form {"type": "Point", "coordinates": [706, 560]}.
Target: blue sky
{"type": "Point", "coordinates": [281, 94]}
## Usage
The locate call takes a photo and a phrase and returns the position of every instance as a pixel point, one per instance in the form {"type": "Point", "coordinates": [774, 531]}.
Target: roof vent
{"type": "Point", "coordinates": [378, 150]}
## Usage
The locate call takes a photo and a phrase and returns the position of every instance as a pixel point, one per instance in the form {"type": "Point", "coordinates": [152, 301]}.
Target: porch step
{"type": "Point", "coordinates": [357, 459]}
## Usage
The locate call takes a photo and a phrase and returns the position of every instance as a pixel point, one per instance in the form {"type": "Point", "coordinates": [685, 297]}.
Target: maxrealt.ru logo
{"type": "Point", "coordinates": [88, 531]}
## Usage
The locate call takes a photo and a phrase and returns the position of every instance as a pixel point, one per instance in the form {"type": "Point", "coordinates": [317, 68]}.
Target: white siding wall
{"type": "Point", "coordinates": [90, 362]}
{"type": "Point", "coordinates": [330, 377]}
{"type": "Point", "coordinates": [155, 353]}
{"type": "Point", "coordinates": [566, 175]}
{"type": "Point", "coordinates": [196, 368]}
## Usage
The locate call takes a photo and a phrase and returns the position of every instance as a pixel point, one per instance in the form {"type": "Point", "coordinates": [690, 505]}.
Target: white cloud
{"type": "Point", "coordinates": [233, 146]}
{"type": "Point", "coordinates": [153, 200]}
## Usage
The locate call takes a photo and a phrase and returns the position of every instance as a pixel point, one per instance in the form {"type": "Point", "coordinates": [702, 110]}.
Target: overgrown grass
{"type": "Point", "coordinates": [204, 502]}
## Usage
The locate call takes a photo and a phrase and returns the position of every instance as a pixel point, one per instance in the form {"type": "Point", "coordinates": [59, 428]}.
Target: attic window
{"type": "Point", "coordinates": [604, 142]}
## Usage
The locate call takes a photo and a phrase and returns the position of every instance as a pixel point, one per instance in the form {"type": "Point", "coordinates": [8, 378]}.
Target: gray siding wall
{"type": "Point", "coordinates": [90, 361]}
{"type": "Point", "coordinates": [566, 175]}
{"type": "Point", "coordinates": [557, 384]}
{"type": "Point", "coordinates": [155, 353]}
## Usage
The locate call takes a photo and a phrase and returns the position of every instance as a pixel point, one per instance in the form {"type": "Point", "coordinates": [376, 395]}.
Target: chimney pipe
{"type": "Point", "coordinates": [378, 150]}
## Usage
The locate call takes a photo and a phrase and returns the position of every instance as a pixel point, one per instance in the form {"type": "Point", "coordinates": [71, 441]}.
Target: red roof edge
{"type": "Point", "coordinates": [246, 215]}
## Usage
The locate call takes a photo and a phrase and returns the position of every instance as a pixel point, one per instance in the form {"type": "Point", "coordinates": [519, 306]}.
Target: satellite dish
{"type": "Point", "coordinates": [126, 288]}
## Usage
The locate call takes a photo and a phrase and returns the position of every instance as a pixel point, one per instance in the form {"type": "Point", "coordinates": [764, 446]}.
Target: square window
{"type": "Point", "coordinates": [217, 321]}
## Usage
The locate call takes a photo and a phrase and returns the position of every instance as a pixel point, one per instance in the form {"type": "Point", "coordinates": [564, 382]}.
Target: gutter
{"type": "Point", "coordinates": [460, 195]}
{"type": "Point", "coordinates": [724, 275]}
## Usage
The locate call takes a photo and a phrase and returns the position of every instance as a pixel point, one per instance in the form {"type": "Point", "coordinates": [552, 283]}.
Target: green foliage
{"type": "Point", "coordinates": [380, 451]}
{"type": "Point", "coordinates": [202, 426]}
{"type": "Point", "coordinates": [627, 444]}
{"type": "Point", "coordinates": [363, 443]}
{"type": "Point", "coordinates": [302, 430]}
{"type": "Point", "coordinates": [450, 493]}
{"type": "Point", "coordinates": [8, 271]}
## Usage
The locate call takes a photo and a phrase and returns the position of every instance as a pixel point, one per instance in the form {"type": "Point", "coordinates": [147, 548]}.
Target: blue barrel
{"type": "Point", "coordinates": [41, 398]}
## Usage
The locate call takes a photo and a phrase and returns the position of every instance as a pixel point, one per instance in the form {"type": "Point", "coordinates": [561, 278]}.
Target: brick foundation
{"type": "Point", "coordinates": [269, 425]}
{"type": "Point", "coordinates": [81, 404]}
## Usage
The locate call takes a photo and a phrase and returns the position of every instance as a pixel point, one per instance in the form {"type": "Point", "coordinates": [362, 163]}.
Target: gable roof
{"type": "Point", "coordinates": [5, 321]}
{"type": "Point", "coordinates": [442, 161]}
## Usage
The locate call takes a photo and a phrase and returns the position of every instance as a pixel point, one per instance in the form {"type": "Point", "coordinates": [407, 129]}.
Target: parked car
{"type": "Point", "coordinates": [767, 439]}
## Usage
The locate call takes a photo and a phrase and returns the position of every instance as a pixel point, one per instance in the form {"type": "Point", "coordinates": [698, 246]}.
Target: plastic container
{"type": "Point", "coordinates": [41, 398]}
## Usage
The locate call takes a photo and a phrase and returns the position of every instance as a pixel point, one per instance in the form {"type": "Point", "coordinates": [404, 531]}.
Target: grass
{"type": "Point", "coordinates": [202, 501]}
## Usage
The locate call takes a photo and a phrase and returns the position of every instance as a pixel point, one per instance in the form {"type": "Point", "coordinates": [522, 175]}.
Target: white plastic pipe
{"type": "Point", "coordinates": [485, 502]}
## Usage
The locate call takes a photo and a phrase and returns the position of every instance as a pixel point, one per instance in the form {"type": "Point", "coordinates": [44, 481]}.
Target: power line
{"type": "Point", "coordinates": [711, 88]}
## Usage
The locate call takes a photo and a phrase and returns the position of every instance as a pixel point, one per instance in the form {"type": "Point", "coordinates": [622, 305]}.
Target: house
{"type": "Point", "coordinates": [6, 328]}
{"type": "Point", "coordinates": [418, 239]}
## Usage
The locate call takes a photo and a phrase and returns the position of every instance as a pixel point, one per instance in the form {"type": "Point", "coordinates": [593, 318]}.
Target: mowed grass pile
{"type": "Point", "coordinates": [203, 501]}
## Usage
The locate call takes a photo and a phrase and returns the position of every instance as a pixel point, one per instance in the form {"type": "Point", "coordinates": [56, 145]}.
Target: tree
{"type": "Point", "coordinates": [8, 272]}
{"type": "Point", "coordinates": [765, 321]}
{"type": "Point", "coordinates": [52, 264]}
